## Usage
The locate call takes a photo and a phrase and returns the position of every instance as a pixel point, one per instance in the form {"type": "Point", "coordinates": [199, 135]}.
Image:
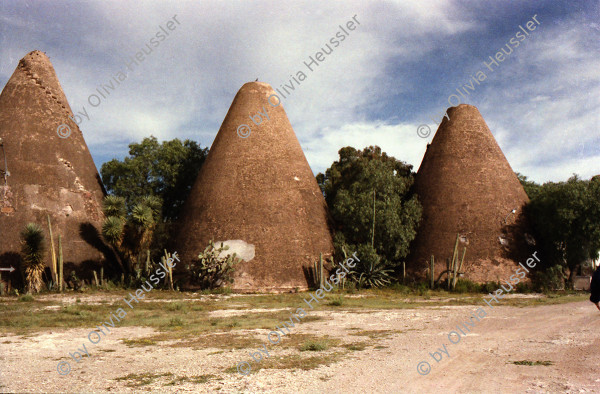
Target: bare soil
{"type": "Point", "coordinates": [565, 335]}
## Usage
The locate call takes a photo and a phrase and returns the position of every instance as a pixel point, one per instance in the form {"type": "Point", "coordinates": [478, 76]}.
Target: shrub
{"type": "Point", "coordinates": [422, 288]}
{"type": "Point", "coordinates": [466, 286]}
{"type": "Point", "coordinates": [400, 288]}
{"type": "Point", "coordinates": [314, 346]}
{"type": "Point", "coordinates": [26, 298]}
{"type": "Point", "coordinates": [522, 287]}
{"type": "Point", "coordinates": [550, 279]}
{"type": "Point", "coordinates": [176, 322]}
{"type": "Point", "coordinates": [489, 287]}
{"type": "Point", "coordinates": [337, 301]}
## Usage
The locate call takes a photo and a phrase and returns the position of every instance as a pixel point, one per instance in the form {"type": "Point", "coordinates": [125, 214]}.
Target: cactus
{"type": "Point", "coordinates": [60, 265]}
{"type": "Point", "coordinates": [459, 267]}
{"type": "Point", "coordinates": [318, 271]}
{"type": "Point", "coordinates": [53, 252]}
{"type": "Point", "coordinates": [403, 272]}
{"type": "Point", "coordinates": [453, 266]}
{"type": "Point", "coordinates": [147, 265]}
{"type": "Point", "coordinates": [212, 268]}
{"type": "Point", "coordinates": [166, 258]}
{"type": "Point", "coordinates": [432, 271]}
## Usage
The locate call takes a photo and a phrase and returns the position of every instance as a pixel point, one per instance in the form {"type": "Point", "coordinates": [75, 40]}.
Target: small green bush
{"type": "Point", "coordinates": [522, 287]}
{"type": "Point", "coordinates": [466, 286]}
{"type": "Point", "coordinates": [422, 288]}
{"type": "Point", "coordinates": [26, 298]}
{"type": "Point", "coordinates": [490, 287]}
{"type": "Point", "coordinates": [550, 279]}
{"type": "Point", "coordinates": [314, 346]}
{"type": "Point", "coordinates": [176, 322]}
{"type": "Point", "coordinates": [337, 301]}
{"type": "Point", "coordinates": [400, 288]}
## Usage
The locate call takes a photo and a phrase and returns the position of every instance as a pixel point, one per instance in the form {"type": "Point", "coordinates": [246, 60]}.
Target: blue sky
{"type": "Point", "coordinates": [391, 74]}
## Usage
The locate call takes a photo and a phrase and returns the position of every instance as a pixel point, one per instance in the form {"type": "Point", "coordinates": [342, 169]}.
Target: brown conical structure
{"type": "Point", "coordinates": [259, 194]}
{"type": "Point", "coordinates": [49, 175]}
{"type": "Point", "coordinates": [467, 187]}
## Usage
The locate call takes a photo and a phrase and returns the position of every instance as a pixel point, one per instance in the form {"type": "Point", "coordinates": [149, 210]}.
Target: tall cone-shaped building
{"type": "Point", "coordinates": [259, 196]}
{"type": "Point", "coordinates": [467, 187]}
{"type": "Point", "coordinates": [43, 174]}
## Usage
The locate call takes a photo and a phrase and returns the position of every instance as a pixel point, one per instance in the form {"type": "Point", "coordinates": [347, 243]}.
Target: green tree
{"type": "Point", "coordinates": [566, 221]}
{"type": "Point", "coordinates": [371, 202]}
{"type": "Point", "coordinates": [531, 188]}
{"type": "Point", "coordinates": [166, 171]}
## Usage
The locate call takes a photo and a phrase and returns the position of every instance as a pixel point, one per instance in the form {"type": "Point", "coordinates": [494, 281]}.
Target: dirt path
{"type": "Point", "coordinates": [567, 335]}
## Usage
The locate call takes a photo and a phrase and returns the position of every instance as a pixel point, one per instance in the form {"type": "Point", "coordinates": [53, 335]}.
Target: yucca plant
{"type": "Point", "coordinates": [131, 234]}
{"type": "Point", "coordinates": [114, 206]}
{"type": "Point", "coordinates": [33, 254]}
{"type": "Point", "coordinates": [112, 230]}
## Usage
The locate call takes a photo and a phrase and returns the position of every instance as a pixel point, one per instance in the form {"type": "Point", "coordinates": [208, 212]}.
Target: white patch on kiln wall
{"type": "Point", "coordinates": [242, 249]}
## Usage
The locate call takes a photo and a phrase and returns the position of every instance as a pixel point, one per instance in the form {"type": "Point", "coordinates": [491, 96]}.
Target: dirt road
{"type": "Point", "coordinates": [566, 336]}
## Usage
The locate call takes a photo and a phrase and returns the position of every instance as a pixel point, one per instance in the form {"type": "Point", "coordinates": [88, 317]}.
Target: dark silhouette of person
{"type": "Point", "coordinates": [595, 288]}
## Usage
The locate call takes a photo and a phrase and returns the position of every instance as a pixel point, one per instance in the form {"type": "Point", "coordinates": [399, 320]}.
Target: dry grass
{"type": "Point", "coordinates": [188, 314]}
{"type": "Point", "coordinates": [527, 362]}
{"type": "Point", "coordinates": [139, 380]}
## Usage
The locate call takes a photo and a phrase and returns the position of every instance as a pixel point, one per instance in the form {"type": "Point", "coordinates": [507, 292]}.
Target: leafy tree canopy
{"type": "Point", "coordinates": [167, 171]}
{"type": "Point", "coordinates": [531, 188]}
{"type": "Point", "coordinates": [361, 180]}
{"type": "Point", "coordinates": [566, 221]}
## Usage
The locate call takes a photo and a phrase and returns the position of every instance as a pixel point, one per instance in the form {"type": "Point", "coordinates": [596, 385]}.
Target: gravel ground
{"type": "Point", "coordinates": [567, 335]}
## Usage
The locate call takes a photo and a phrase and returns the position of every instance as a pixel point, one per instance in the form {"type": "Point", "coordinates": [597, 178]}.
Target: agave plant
{"type": "Point", "coordinates": [33, 253]}
{"type": "Point", "coordinates": [370, 271]}
{"type": "Point", "coordinates": [374, 274]}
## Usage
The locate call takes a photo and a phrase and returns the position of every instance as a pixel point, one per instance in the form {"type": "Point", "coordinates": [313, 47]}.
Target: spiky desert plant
{"type": "Point", "coordinates": [213, 267]}
{"type": "Point", "coordinates": [131, 231]}
{"type": "Point", "coordinates": [374, 275]}
{"type": "Point", "coordinates": [60, 265]}
{"type": "Point", "coordinates": [114, 206]}
{"type": "Point", "coordinates": [154, 203]}
{"type": "Point", "coordinates": [112, 230]}
{"type": "Point", "coordinates": [33, 253]}
{"type": "Point", "coordinates": [143, 221]}
{"type": "Point", "coordinates": [53, 253]}
{"type": "Point", "coordinates": [318, 271]}
{"type": "Point", "coordinates": [370, 271]}
{"type": "Point", "coordinates": [114, 226]}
